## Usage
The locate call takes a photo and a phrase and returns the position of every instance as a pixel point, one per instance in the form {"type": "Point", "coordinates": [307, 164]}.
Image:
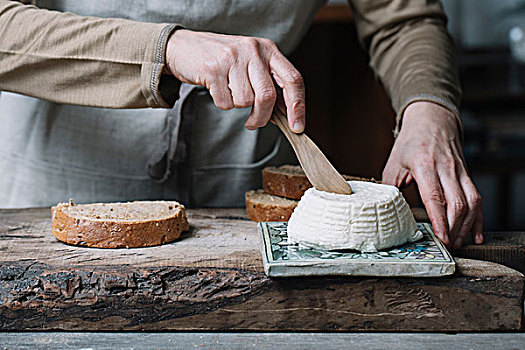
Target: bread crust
{"type": "Point", "coordinates": [259, 211]}
{"type": "Point", "coordinates": [114, 234]}
{"type": "Point", "coordinates": [290, 181]}
{"type": "Point", "coordinates": [288, 185]}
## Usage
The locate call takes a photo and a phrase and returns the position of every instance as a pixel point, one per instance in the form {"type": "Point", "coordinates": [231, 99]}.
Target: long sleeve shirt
{"type": "Point", "coordinates": [54, 145]}
{"type": "Point", "coordinates": [87, 61]}
{"type": "Point", "coordinates": [118, 63]}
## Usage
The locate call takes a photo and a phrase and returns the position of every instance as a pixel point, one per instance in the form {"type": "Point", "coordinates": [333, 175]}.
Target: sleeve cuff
{"type": "Point", "coordinates": [152, 70]}
{"type": "Point", "coordinates": [428, 98]}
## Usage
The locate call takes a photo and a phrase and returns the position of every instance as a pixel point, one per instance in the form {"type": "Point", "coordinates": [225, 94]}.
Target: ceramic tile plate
{"type": "Point", "coordinates": [424, 258]}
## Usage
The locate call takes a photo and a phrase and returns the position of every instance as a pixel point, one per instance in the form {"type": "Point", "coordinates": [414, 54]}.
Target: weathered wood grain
{"type": "Point", "coordinates": [217, 238]}
{"type": "Point", "coordinates": [213, 280]}
{"type": "Point", "coordinates": [506, 248]}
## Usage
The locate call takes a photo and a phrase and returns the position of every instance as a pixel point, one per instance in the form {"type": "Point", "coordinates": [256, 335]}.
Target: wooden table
{"type": "Point", "coordinates": [260, 341]}
{"type": "Point", "coordinates": [212, 280]}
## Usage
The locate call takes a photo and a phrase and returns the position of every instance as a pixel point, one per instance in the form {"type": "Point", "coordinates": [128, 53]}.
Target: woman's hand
{"type": "Point", "coordinates": [238, 72]}
{"type": "Point", "coordinates": [428, 151]}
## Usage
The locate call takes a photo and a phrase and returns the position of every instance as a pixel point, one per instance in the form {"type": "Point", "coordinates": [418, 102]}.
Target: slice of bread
{"type": "Point", "coordinates": [261, 206]}
{"type": "Point", "coordinates": [119, 225]}
{"type": "Point", "coordinates": [290, 181]}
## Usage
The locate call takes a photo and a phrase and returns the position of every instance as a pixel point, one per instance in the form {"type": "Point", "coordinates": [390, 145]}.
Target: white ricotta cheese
{"type": "Point", "coordinates": [373, 217]}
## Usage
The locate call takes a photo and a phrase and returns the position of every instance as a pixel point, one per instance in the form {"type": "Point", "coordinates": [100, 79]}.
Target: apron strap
{"type": "Point", "coordinates": [171, 148]}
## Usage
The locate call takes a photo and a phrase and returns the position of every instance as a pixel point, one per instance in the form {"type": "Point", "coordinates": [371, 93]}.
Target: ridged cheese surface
{"type": "Point", "coordinates": [373, 217]}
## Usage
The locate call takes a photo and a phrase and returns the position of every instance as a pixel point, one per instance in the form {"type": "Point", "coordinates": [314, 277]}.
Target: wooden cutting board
{"type": "Point", "coordinates": [506, 248]}
{"type": "Point", "coordinates": [213, 279]}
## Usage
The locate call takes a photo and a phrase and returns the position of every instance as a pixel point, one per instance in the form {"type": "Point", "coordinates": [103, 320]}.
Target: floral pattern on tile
{"type": "Point", "coordinates": [424, 249]}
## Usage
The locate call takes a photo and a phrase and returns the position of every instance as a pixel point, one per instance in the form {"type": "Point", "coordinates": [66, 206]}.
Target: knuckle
{"type": "Point", "coordinates": [294, 77]}
{"type": "Point", "coordinates": [213, 67]}
{"type": "Point", "coordinates": [228, 55]}
{"type": "Point", "coordinates": [268, 43]}
{"type": "Point", "coordinates": [252, 44]}
{"type": "Point", "coordinates": [458, 206]}
{"type": "Point", "coordinates": [448, 163]}
{"type": "Point", "coordinates": [266, 95]}
{"type": "Point", "coordinates": [437, 196]}
{"type": "Point", "coordinates": [475, 200]}
{"type": "Point", "coordinates": [298, 107]}
{"type": "Point", "coordinates": [442, 161]}
{"type": "Point", "coordinates": [248, 101]}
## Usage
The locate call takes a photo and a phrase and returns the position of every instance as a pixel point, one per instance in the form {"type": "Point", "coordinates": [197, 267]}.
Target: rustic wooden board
{"type": "Point", "coordinates": [261, 341]}
{"type": "Point", "coordinates": [217, 238]}
{"type": "Point", "coordinates": [506, 248]}
{"type": "Point", "coordinates": [212, 279]}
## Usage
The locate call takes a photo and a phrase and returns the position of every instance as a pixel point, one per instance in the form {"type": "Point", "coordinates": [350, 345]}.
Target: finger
{"type": "Point", "coordinates": [240, 87]}
{"type": "Point", "coordinates": [389, 172]}
{"type": "Point", "coordinates": [408, 179]}
{"type": "Point", "coordinates": [477, 228]}
{"type": "Point", "coordinates": [220, 93]}
{"type": "Point", "coordinates": [470, 223]}
{"type": "Point", "coordinates": [394, 173]}
{"type": "Point", "coordinates": [396, 176]}
{"type": "Point", "coordinates": [291, 81]}
{"type": "Point", "coordinates": [456, 203]}
{"type": "Point", "coordinates": [434, 200]}
{"type": "Point", "coordinates": [265, 95]}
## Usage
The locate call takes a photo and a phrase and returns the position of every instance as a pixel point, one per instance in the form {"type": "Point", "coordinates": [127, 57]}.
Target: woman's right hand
{"type": "Point", "coordinates": [238, 72]}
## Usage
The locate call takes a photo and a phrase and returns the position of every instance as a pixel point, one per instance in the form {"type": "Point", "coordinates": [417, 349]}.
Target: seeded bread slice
{"type": "Point", "coordinates": [261, 206]}
{"type": "Point", "coordinates": [290, 181]}
{"type": "Point", "coordinates": [119, 225]}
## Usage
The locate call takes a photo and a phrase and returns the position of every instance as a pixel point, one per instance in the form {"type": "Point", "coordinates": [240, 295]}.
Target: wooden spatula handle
{"type": "Point", "coordinates": [316, 166]}
{"type": "Point", "coordinates": [280, 119]}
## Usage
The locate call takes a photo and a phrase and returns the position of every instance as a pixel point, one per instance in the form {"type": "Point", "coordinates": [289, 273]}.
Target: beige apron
{"type": "Point", "coordinates": [195, 153]}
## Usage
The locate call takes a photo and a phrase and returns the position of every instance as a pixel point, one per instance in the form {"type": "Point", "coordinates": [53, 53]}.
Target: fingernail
{"type": "Point", "coordinates": [479, 238]}
{"type": "Point", "coordinates": [298, 126]}
{"type": "Point", "coordinates": [458, 242]}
